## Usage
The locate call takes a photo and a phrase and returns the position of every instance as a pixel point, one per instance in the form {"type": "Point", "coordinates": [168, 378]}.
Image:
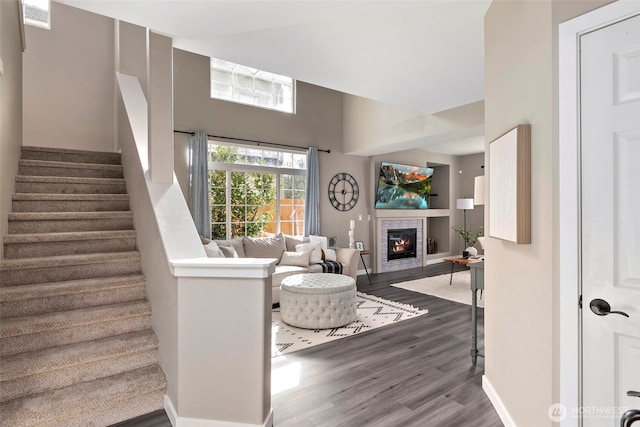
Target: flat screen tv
{"type": "Point", "coordinates": [403, 186]}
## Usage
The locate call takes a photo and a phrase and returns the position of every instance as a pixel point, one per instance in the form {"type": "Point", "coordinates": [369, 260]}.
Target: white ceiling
{"type": "Point", "coordinates": [422, 55]}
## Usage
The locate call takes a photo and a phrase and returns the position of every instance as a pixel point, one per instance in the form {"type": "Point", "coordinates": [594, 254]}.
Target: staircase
{"type": "Point", "coordinates": [76, 345]}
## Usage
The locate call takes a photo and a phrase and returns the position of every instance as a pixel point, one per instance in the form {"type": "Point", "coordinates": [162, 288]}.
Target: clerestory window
{"type": "Point", "coordinates": [246, 85]}
{"type": "Point", "coordinates": [36, 13]}
{"type": "Point", "coordinates": [255, 191]}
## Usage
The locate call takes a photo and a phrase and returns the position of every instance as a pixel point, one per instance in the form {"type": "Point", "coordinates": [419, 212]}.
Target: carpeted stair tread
{"type": "Point", "coordinates": [44, 197]}
{"type": "Point", "coordinates": [50, 216]}
{"type": "Point", "coordinates": [61, 168]}
{"type": "Point", "coordinates": [68, 243]}
{"type": "Point", "coordinates": [63, 357]}
{"type": "Point", "coordinates": [46, 330]}
{"type": "Point", "coordinates": [51, 202]}
{"type": "Point", "coordinates": [73, 318]}
{"type": "Point", "coordinates": [76, 404]}
{"type": "Point", "coordinates": [68, 179]}
{"type": "Point", "coordinates": [68, 165]}
{"type": "Point", "coordinates": [68, 236]}
{"type": "Point", "coordinates": [53, 289]}
{"type": "Point", "coordinates": [70, 155]}
{"type": "Point", "coordinates": [30, 300]}
{"type": "Point", "coordinates": [58, 222]}
{"type": "Point", "coordinates": [69, 185]}
{"type": "Point", "coordinates": [65, 260]}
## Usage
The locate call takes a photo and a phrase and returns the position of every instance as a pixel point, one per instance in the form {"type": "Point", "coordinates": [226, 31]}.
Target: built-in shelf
{"type": "Point", "coordinates": [439, 186]}
{"type": "Point", "coordinates": [438, 229]}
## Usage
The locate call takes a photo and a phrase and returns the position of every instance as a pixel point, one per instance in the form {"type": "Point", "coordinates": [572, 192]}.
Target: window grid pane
{"type": "Point", "coordinates": [254, 195]}
{"type": "Point", "coordinates": [246, 85]}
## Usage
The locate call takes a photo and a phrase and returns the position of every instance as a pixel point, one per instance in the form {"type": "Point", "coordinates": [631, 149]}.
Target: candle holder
{"type": "Point", "coordinates": [352, 227]}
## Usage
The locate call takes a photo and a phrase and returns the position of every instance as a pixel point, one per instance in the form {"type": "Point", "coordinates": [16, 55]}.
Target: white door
{"type": "Point", "coordinates": [610, 198]}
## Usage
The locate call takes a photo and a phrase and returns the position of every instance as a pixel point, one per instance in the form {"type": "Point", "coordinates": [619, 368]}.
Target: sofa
{"type": "Point", "coordinates": [294, 255]}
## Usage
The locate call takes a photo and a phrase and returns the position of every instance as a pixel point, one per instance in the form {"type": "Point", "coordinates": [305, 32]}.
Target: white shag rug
{"type": "Point", "coordinates": [438, 286]}
{"type": "Point", "coordinates": [373, 312]}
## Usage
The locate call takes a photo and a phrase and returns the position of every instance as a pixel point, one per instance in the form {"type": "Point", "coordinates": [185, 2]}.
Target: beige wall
{"type": "Point", "coordinates": [521, 317]}
{"type": "Point", "coordinates": [317, 122]}
{"type": "Point", "coordinates": [10, 106]}
{"type": "Point", "coordinates": [471, 166]}
{"type": "Point", "coordinates": [69, 82]}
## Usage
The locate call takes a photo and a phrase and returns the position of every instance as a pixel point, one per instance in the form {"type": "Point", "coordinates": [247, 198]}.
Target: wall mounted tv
{"type": "Point", "coordinates": [403, 186]}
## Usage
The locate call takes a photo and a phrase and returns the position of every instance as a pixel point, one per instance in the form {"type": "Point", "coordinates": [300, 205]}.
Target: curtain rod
{"type": "Point", "coordinates": [258, 143]}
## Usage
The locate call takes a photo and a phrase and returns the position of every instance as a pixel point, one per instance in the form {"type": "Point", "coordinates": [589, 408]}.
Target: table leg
{"type": "Point", "coordinates": [474, 326]}
{"type": "Point", "coordinates": [365, 269]}
{"type": "Point", "coordinates": [451, 276]}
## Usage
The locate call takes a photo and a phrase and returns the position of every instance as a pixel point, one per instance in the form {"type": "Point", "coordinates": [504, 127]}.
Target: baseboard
{"type": "Point", "coordinates": [497, 403]}
{"type": "Point", "coordinates": [177, 421]}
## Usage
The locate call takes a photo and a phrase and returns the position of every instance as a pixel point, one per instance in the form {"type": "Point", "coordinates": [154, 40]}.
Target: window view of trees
{"type": "Point", "coordinates": [254, 196]}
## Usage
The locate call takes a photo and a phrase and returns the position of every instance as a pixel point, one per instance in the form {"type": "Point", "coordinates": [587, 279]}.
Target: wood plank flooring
{"type": "Point", "coordinates": [414, 373]}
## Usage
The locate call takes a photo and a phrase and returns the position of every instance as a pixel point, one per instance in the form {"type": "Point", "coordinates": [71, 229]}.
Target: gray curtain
{"type": "Point", "coordinates": [199, 183]}
{"type": "Point", "coordinates": [312, 201]}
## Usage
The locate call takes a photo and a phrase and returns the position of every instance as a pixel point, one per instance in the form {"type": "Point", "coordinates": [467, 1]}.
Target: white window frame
{"type": "Point", "coordinates": [238, 167]}
{"type": "Point", "coordinates": [244, 72]}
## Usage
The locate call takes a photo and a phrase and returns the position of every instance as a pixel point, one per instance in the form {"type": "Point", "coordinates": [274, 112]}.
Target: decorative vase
{"type": "Point", "coordinates": [471, 251]}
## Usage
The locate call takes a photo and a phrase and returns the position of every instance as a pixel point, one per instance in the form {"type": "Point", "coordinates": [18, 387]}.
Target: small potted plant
{"type": "Point", "coordinates": [469, 238]}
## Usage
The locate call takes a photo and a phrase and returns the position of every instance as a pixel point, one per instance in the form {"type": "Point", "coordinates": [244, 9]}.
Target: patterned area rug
{"type": "Point", "coordinates": [373, 312]}
{"type": "Point", "coordinates": [438, 286]}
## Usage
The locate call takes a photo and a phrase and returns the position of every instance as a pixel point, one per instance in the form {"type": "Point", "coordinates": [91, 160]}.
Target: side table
{"type": "Point", "coordinates": [461, 261]}
{"type": "Point", "coordinates": [365, 252]}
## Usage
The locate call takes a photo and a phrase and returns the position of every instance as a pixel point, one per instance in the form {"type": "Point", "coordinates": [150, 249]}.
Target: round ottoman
{"type": "Point", "coordinates": [318, 300]}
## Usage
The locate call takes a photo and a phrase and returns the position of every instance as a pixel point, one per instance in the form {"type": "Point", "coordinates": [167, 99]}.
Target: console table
{"type": "Point", "coordinates": [477, 284]}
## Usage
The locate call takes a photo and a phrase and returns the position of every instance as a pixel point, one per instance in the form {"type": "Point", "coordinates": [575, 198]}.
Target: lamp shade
{"type": "Point", "coordinates": [478, 190]}
{"type": "Point", "coordinates": [464, 203]}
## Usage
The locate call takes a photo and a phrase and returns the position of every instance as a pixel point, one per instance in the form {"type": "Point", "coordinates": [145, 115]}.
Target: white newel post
{"type": "Point", "coordinates": [160, 108]}
{"type": "Point", "coordinates": [224, 340]}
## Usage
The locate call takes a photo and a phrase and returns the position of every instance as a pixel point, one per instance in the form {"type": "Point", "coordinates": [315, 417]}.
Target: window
{"type": "Point", "coordinates": [256, 192]}
{"type": "Point", "coordinates": [36, 13]}
{"type": "Point", "coordinates": [246, 85]}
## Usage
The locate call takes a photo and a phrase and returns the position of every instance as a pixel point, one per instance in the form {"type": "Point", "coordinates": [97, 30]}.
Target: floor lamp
{"type": "Point", "coordinates": [478, 199]}
{"type": "Point", "coordinates": [464, 204]}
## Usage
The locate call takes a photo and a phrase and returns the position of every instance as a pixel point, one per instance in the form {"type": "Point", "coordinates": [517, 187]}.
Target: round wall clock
{"type": "Point", "coordinates": [343, 192]}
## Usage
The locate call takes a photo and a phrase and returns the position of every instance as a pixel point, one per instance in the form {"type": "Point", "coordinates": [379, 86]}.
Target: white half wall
{"type": "Point", "coordinates": [10, 106]}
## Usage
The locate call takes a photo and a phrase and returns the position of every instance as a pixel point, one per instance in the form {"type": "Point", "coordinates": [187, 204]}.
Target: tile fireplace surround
{"type": "Point", "coordinates": [384, 225]}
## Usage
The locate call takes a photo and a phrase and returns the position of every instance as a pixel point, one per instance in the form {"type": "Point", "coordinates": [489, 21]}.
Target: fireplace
{"type": "Point", "coordinates": [401, 243]}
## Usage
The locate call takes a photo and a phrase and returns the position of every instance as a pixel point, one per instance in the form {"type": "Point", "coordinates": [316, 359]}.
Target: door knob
{"type": "Point", "coordinates": [602, 308]}
{"type": "Point", "coordinates": [630, 417]}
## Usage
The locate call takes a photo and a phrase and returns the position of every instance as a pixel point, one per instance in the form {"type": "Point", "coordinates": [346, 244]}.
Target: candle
{"type": "Point", "coordinates": [352, 224]}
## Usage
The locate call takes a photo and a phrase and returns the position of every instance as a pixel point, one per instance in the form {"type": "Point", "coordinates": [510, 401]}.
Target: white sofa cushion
{"type": "Point", "coordinates": [300, 259]}
{"type": "Point", "coordinates": [314, 248]}
{"type": "Point", "coordinates": [264, 247]}
{"type": "Point", "coordinates": [212, 250]}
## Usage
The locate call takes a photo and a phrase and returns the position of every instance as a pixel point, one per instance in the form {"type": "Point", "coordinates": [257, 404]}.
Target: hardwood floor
{"type": "Point", "coordinates": [414, 373]}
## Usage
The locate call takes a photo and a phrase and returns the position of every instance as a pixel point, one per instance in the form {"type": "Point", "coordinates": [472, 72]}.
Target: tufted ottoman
{"type": "Point", "coordinates": [318, 300]}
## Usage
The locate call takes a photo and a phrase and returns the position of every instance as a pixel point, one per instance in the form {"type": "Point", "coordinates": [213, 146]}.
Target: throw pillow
{"type": "Point", "coordinates": [236, 243]}
{"type": "Point", "coordinates": [212, 250]}
{"type": "Point", "coordinates": [229, 252]}
{"type": "Point", "coordinates": [319, 239]}
{"type": "Point", "coordinates": [291, 242]}
{"type": "Point", "coordinates": [330, 255]}
{"type": "Point", "coordinates": [316, 252]}
{"type": "Point", "coordinates": [298, 259]}
{"type": "Point", "coordinates": [264, 247]}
